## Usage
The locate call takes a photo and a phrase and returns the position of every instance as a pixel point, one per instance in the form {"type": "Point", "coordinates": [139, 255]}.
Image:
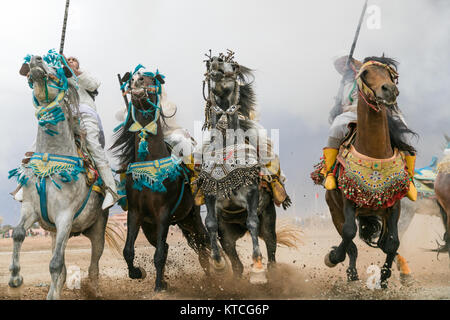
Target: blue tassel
{"type": "Point", "coordinates": [143, 150]}
{"type": "Point", "coordinates": [65, 177]}
{"type": "Point", "coordinates": [21, 178]}
{"type": "Point", "coordinates": [12, 173]}
{"type": "Point", "coordinates": [54, 182]}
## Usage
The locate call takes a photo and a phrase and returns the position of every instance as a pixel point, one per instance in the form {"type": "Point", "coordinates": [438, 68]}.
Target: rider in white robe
{"type": "Point", "coordinates": [91, 123]}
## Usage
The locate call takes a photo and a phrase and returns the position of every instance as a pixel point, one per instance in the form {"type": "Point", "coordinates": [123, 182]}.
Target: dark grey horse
{"type": "Point", "coordinates": [231, 164]}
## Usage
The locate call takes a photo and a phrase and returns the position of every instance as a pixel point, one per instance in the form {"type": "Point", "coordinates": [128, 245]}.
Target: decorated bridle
{"type": "Point", "coordinates": [368, 95]}
{"type": "Point", "coordinates": [152, 127]}
{"type": "Point", "coordinates": [52, 113]}
{"type": "Point", "coordinates": [212, 109]}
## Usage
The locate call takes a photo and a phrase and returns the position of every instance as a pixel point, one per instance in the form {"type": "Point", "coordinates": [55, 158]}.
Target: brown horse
{"type": "Point", "coordinates": [379, 134]}
{"type": "Point", "coordinates": [157, 188]}
{"type": "Point", "coordinates": [442, 190]}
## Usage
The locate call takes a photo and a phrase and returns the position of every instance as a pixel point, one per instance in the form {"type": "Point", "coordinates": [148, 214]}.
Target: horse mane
{"type": "Point", "coordinates": [71, 104]}
{"type": "Point", "coordinates": [398, 132]}
{"type": "Point", "coordinates": [124, 144]}
{"type": "Point", "coordinates": [247, 97]}
{"type": "Point", "coordinates": [389, 61]}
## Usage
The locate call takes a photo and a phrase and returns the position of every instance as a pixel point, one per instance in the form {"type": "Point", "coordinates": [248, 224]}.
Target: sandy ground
{"type": "Point", "coordinates": [300, 273]}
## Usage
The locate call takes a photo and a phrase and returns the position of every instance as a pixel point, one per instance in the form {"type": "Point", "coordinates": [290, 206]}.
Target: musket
{"type": "Point", "coordinates": [125, 98]}
{"type": "Point", "coordinates": [63, 34]}
{"type": "Point", "coordinates": [337, 109]}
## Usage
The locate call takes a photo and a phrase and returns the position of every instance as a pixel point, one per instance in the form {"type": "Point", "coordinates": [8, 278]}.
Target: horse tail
{"type": "Point", "coordinates": [288, 235]}
{"type": "Point", "coordinates": [115, 237]}
{"type": "Point", "coordinates": [369, 229]}
{"type": "Point", "coordinates": [190, 240]}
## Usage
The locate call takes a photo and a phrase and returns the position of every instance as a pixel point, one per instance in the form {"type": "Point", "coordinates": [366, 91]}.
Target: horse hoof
{"type": "Point", "coordinates": [328, 262]}
{"type": "Point", "coordinates": [161, 288]}
{"type": "Point", "coordinates": [219, 266]}
{"type": "Point", "coordinates": [137, 273]}
{"type": "Point", "coordinates": [143, 273]}
{"type": "Point", "coordinates": [406, 279]}
{"type": "Point", "coordinates": [352, 275]}
{"type": "Point", "coordinates": [15, 281]}
{"type": "Point", "coordinates": [258, 276]}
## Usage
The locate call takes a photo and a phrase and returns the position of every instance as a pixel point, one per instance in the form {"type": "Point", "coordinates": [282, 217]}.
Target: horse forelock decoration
{"type": "Point", "coordinates": [230, 171]}
{"type": "Point", "coordinates": [372, 170]}
{"type": "Point", "coordinates": [156, 182]}
{"type": "Point", "coordinates": [55, 190]}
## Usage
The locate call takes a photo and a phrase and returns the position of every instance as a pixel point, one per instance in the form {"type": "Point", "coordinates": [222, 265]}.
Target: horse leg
{"type": "Point", "coordinates": [352, 252]}
{"type": "Point", "coordinates": [57, 267]}
{"type": "Point", "coordinates": [389, 243]}
{"type": "Point", "coordinates": [96, 234]}
{"type": "Point", "coordinates": [197, 237]}
{"type": "Point", "coordinates": [446, 222]}
{"type": "Point", "coordinates": [405, 271]}
{"type": "Point", "coordinates": [28, 217]}
{"type": "Point", "coordinates": [268, 233]}
{"type": "Point", "coordinates": [228, 234]}
{"type": "Point", "coordinates": [150, 232]}
{"type": "Point", "coordinates": [258, 274]}
{"type": "Point", "coordinates": [133, 225]}
{"type": "Point", "coordinates": [348, 233]}
{"type": "Point", "coordinates": [162, 249]}
{"type": "Point", "coordinates": [212, 227]}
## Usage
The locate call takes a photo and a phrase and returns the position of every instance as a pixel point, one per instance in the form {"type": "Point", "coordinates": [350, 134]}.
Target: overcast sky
{"type": "Point", "coordinates": [289, 44]}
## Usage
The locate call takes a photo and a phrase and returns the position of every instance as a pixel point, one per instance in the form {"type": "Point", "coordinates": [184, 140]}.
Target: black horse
{"type": "Point", "coordinates": [157, 188]}
{"type": "Point", "coordinates": [230, 176]}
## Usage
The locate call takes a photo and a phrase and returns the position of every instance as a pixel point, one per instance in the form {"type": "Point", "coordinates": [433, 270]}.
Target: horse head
{"type": "Point", "coordinates": [145, 89]}
{"type": "Point", "coordinates": [377, 82]}
{"type": "Point", "coordinates": [223, 77]}
{"type": "Point", "coordinates": [46, 75]}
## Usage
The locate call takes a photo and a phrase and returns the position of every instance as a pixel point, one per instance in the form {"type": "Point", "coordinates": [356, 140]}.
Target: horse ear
{"type": "Point", "coordinates": [24, 70]}
{"type": "Point", "coordinates": [126, 77]}
{"type": "Point", "coordinates": [160, 79]}
{"type": "Point", "coordinates": [357, 64]}
{"type": "Point", "coordinates": [67, 72]}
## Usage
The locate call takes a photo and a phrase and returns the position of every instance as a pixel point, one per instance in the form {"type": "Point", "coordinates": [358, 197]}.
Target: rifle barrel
{"type": "Point", "coordinates": [63, 34]}
{"type": "Point", "coordinates": [125, 98]}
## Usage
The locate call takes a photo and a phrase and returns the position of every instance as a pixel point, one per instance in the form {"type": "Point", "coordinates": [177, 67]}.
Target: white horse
{"type": "Point", "coordinates": [55, 191]}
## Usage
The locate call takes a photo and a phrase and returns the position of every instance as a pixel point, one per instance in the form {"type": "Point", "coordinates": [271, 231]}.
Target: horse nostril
{"type": "Point", "coordinates": [384, 88]}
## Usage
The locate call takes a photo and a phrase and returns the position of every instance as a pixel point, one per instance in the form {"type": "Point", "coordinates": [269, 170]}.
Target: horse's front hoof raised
{"type": "Point", "coordinates": [15, 281]}
{"type": "Point", "coordinates": [328, 262]}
